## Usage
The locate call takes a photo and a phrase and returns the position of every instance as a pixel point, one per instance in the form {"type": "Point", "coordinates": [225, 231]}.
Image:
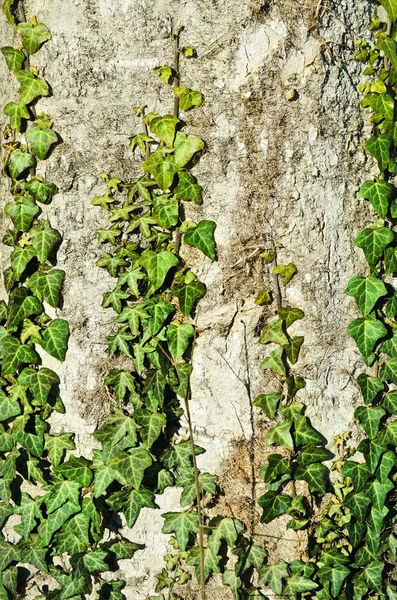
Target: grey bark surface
{"type": "Point", "coordinates": [277, 170]}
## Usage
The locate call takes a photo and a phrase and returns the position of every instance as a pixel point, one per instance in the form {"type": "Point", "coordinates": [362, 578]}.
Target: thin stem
{"type": "Point", "coordinates": [176, 36]}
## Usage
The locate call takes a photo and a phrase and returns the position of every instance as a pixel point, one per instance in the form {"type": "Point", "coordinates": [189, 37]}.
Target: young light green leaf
{"type": "Point", "coordinates": [186, 146]}
{"type": "Point", "coordinates": [19, 163]}
{"type": "Point", "coordinates": [391, 8]}
{"type": "Point", "coordinates": [286, 272]}
{"type": "Point", "coordinates": [33, 36]}
{"type": "Point", "coordinates": [290, 315]}
{"type": "Point", "coordinates": [165, 128]}
{"type": "Point", "coordinates": [8, 11]}
{"type": "Point", "coordinates": [166, 211]}
{"type": "Point", "coordinates": [366, 291]}
{"type": "Point", "coordinates": [164, 72]}
{"type": "Point", "coordinates": [274, 333]}
{"type": "Point", "coordinates": [188, 98]}
{"type": "Point", "coordinates": [16, 112]}
{"type": "Point", "coordinates": [32, 87]}
{"type": "Point", "coordinates": [41, 140]}
{"type": "Point", "coordinates": [14, 58]}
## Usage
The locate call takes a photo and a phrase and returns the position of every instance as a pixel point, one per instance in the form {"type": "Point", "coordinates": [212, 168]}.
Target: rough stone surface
{"type": "Point", "coordinates": [278, 169]}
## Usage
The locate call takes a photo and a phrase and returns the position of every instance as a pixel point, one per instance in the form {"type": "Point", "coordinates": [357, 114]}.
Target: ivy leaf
{"type": "Point", "coordinates": [292, 350]}
{"type": "Point", "coordinates": [373, 575]}
{"type": "Point", "coordinates": [131, 279]}
{"type": "Point", "coordinates": [162, 165]}
{"type": "Point", "coordinates": [8, 407]}
{"type": "Point", "coordinates": [389, 402]}
{"type": "Point", "coordinates": [180, 455]}
{"type": "Point", "coordinates": [160, 311]}
{"type": "Point", "coordinates": [179, 338]}
{"type": "Point", "coordinates": [388, 371]}
{"type": "Point", "coordinates": [188, 98]}
{"type": "Point", "coordinates": [56, 445]}
{"type": "Point", "coordinates": [373, 242]}
{"type": "Point", "coordinates": [8, 554]}
{"type": "Point", "coordinates": [77, 468]}
{"type": "Point", "coordinates": [273, 575]}
{"type": "Point", "coordinates": [369, 418]}
{"type": "Point", "coordinates": [304, 433]}
{"type": "Point", "coordinates": [121, 381]}
{"type": "Point", "coordinates": [14, 58]}
{"type": "Point", "coordinates": [41, 190]}
{"type": "Point", "coordinates": [47, 286]}
{"type": "Point", "coordinates": [16, 112]}
{"type": "Point", "coordinates": [273, 505]}
{"type": "Point", "coordinates": [33, 36]}
{"type": "Point", "coordinates": [164, 72]}
{"type": "Point", "coordinates": [311, 454]}
{"type": "Point", "coordinates": [44, 241]}
{"type": "Point", "coordinates": [187, 188]}
{"type": "Point", "coordinates": [224, 529]}
{"type": "Point", "coordinates": [379, 147]}
{"type": "Point", "coordinates": [186, 146]}
{"type": "Point", "coordinates": [188, 294]}
{"type": "Point", "coordinates": [111, 263]}
{"type": "Point", "coordinates": [290, 315]}
{"type": "Point", "coordinates": [390, 258]}
{"type": "Point", "coordinates": [8, 11]}
{"type": "Point", "coordinates": [281, 435]}
{"type": "Point", "coordinates": [274, 333]}
{"type": "Point", "coordinates": [378, 193]}
{"type": "Point", "coordinates": [166, 211]}
{"type": "Point", "coordinates": [119, 342]}
{"type": "Point", "coordinates": [157, 266]}
{"type": "Point", "coordinates": [15, 355]}
{"type": "Point", "coordinates": [32, 87]}
{"type": "Point", "coordinates": [20, 258]}
{"type": "Point", "coordinates": [369, 386]}
{"type": "Point", "coordinates": [268, 403]}
{"type": "Point", "coordinates": [202, 237]}
{"type": "Point", "coordinates": [336, 575]}
{"type": "Point", "coordinates": [297, 584]}
{"type": "Point", "coordinates": [114, 299]}
{"type": "Point", "coordinates": [286, 272]}
{"type": "Point", "coordinates": [132, 465]}
{"type": "Point", "coordinates": [378, 493]}
{"type": "Point", "coordinates": [186, 479]}
{"type": "Point", "coordinates": [391, 8]}
{"type": "Point", "coordinates": [211, 562]}
{"type": "Point", "coordinates": [358, 473]}
{"type": "Point", "coordinates": [249, 555]}
{"type": "Point", "coordinates": [358, 504]}
{"type": "Point", "coordinates": [39, 382]}
{"type": "Point", "coordinates": [95, 562]}
{"type": "Point", "coordinates": [55, 520]}
{"type": "Point", "coordinates": [366, 291]}
{"type": "Point", "coordinates": [182, 524]}
{"type": "Point", "coordinates": [55, 339]}
{"type": "Point", "coordinates": [31, 513]}
{"type": "Point", "coordinates": [277, 466]}
{"type": "Point", "coordinates": [21, 306]}
{"type": "Point", "coordinates": [22, 213]}
{"type": "Point", "coordinates": [275, 362]}
{"type": "Point", "coordinates": [19, 162]}
{"type": "Point", "coordinates": [165, 128]}
{"type": "Point", "coordinates": [41, 140]}
{"type": "Point", "coordinates": [314, 474]}
{"type": "Point", "coordinates": [367, 332]}
{"type": "Point", "coordinates": [152, 425]}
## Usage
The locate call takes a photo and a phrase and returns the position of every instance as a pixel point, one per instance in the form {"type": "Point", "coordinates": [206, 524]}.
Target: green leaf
{"type": "Point", "coordinates": [16, 112]}
{"type": "Point", "coordinates": [166, 211]}
{"type": "Point", "coordinates": [95, 562]}
{"type": "Point", "coordinates": [369, 386]}
{"type": "Point", "coordinates": [311, 454]}
{"type": "Point", "coordinates": [8, 10]}
{"type": "Point", "coordinates": [273, 505]}
{"type": "Point", "coordinates": [391, 8]}
{"type": "Point", "coordinates": [388, 371]}
{"type": "Point", "coordinates": [32, 87]}
{"type": "Point", "coordinates": [298, 584]}
{"type": "Point", "coordinates": [264, 297]}
{"type": "Point", "coordinates": [290, 315]}
{"type": "Point", "coordinates": [358, 504]}
{"type": "Point", "coordinates": [268, 403]}
{"type": "Point", "coordinates": [379, 147]}
{"type": "Point", "coordinates": [188, 294]}
{"type": "Point", "coordinates": [277, 466]}
{"type": "Point", "coordinates": [183, 525]}
{"type": "Point", "coordinates": [22, 213]}
{"type": "Point", "coordinates": [162, 165]}
{"type": "Point", "coordinates": [202, 237]}
{"type": "Point", "coordinates": [224, 529]}
{"type": "Point", "coordinates": [39, 382]}
{"type": "Point", "coordinates": [117, 425]}
{"type": "Point", "coordinates": [186, 479]}
{"type": "Point", "coordinates": [369, 418]}
{"type": "Point", "coordinates": [55, 521]}
{"type": "Point", "coordinates": [292, 350]}
{"type": "Point", "coordinates": [211, 562]}
{"type": "Point", "coordinates": [19, 162]}
{"type": "Point", "coordinates": [373, 242]}
{"type": "Point", "coordinates": [187, 188]}
{"type": "Point", "coordinates": [188, 98]}
{"type": "Point", "coordinates": [114, 299]}
{"type": "Point", "coordinates": [186, 146]}
{"type": "Point", "coordinates": [8, 554]}
{"type": "Point", "coordinates": [281, 435]}
{"type": "Point", "coordinates": [41, 140]}
{"type": "Point", "coordinates": [132, 465]}
{"type": "Point", "coordinates": [336, 575]}
{"type": "Point", "coordinates": [367, 332]}
{"type": "Point", "coordinates": [33, 36]}
{"type": "Point", "coordinates": [130, 502]}
{"type": "Point", "coordinates": [286, 272]}
{"type": "Point", "coordinates": [29, 509]}
{"type": "Point", "coordinates": [366, 291]}
{"type": "Point", "coordinates": [56, 445]}
{"type": "Point", "coordinates": [165, 128]}
{"type": "Point", "coordinates": [389, 402]}
{"type": "Point", "coordinates": [111, 263]}
{"type": "Point", "coordinates": [373, 574]}
{"type": "Point", "coordinates": [358, 473]}
{"type": "Point", "coordinates": [304, 433]}
{"type": "Point", "coordinates": [14, 58]}
{"type": "Point", "coordinates": [76, 469]}
{"type": "Point", "coordinates": [121, 381]}
{"type": "Point", "coordinates": [41, 190]}
{"type": "Point", "coordinates": [152, 425]}
{"type": "Point", "coordinates": [47, 286]}
{"type": "Point", "coordinates": [16, 355]}
{"type": "Point", "coordinates": [157, 266]}
{"type": "Point", "coordinates": [8, 407]}
{"type": "Point", "coordinates": [378, 193]}
{"type": "Point", "coordinates": [390, 258]}
{"type": "Point", "coordinates": [160, 311]}
{"type": "Point", "coordinates": [109, 236]}
{"type": "Point", "coordinates": [273, 575]}
{"type": "Point", "coordinates": [44, 241]}
{"type": "Point", "coordinates": [179, 338]}
{"type": "Point", "coordinates": [21, 306]}
{"type": "Point", "coordinates": [275, 362]}
{"type": "Point", "coordinates": [378, 493]}
{"type": "Point", "coordinates": [274, 333]}
{"type": "Point", "coordinates": [314, 474]}
{"type": "Point", "coordinates": [55, 339]}
{"type": "Point", "coordinates": [187, 51]}
{"type": "Point", "coordinates": [164, 72]}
